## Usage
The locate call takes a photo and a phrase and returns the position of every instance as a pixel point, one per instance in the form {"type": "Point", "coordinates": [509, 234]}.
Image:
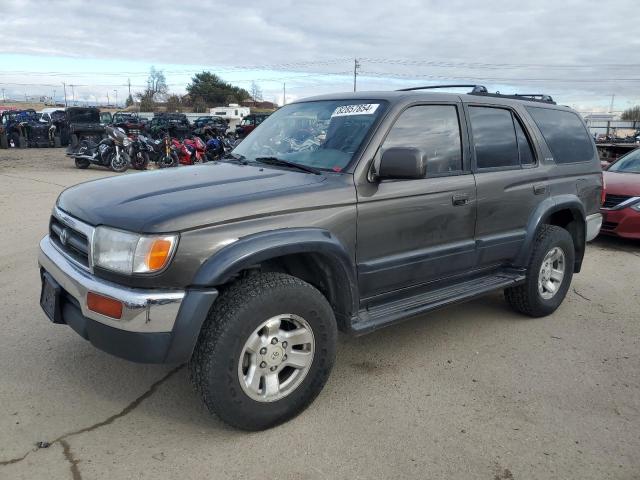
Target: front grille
{"type": "Point", "coordinates": [611, 201]}
{"type": "Point", "coordinates": [71, 242]}
{"type": "Point", "coordinates": [609, 225]}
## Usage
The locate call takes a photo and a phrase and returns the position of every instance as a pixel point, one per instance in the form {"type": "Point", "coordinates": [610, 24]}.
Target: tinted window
{"type": "Point", "coordinates": [435, 131]}
{"type": "Point", "coordinates": [630, 163]}
{"type": "Point", "coordinates": [564, 133]}
{"type": "Point", "coordinates": [494, 137]}
{"type": "Point", "coordinates": [524, 146]}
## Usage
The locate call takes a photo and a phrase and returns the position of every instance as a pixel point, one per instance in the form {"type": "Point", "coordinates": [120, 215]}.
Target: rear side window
{"type": "Point", "coordinates": [524, 146]}
{"type": "Point", "coordinates": [494, 137]}
{"type": "Point", "coordinates": [435, 131]}
{"type": "Point", "coordinates": [564, 133]}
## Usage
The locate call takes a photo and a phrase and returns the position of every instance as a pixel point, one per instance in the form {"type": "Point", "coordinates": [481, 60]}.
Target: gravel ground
{"type": "Point", "coordinates": [471, 391]}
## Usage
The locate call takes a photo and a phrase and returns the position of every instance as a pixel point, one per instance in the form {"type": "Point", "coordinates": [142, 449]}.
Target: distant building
{"type": "Point", "coordinates": [231, 112]}
{"type": "Point", "coordinates": [259, 105]}
{"type": "Point", "coordinates": [599, 117]}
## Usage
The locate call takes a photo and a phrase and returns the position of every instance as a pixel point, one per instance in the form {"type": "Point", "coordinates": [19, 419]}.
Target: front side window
{"type": "Point", "coordinates": [323, 134]}
{"type": "Point", "coordinates": [435, 131]}
{"type": "Point", "coordinates": [494, 137]}
{"type": "Point", "coordinates": [564, 133]}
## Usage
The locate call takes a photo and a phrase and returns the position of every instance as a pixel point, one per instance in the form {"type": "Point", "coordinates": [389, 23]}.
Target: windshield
{"type": "Point", "coordinates": [83, 115]}
{"type": "Point", "coordinates": [324, 134]}
{"type": "Point", "coordinates": [630, 163]}
{"type": "Point", "coordinates": [24, 116]}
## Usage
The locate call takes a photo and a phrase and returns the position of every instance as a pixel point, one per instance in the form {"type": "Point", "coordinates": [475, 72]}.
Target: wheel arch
{"type": "Point", "coordinates": [313, 255]}
{"type": "Point", "coordinates": [565, 211]}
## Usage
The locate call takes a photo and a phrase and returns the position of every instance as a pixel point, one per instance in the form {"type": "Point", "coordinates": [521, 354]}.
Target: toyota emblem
{"type": "Point", "coordinates": [64, 236]}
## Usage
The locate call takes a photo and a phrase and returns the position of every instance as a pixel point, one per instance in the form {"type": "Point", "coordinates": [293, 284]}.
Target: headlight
{"type": "Point", "coordinates": [128, 253]}
{"type": "Point", "coordinates": [126, 141]}
{"type": "Point", "coordinates": [636, 207]}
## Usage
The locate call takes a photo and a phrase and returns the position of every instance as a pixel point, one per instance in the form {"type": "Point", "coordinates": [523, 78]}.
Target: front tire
{"type": "Point", "coordinates": [82, 163]}
{"type": "Point", "coordinates": [265, 351]}
{"type": "Point", "coordinates": [120, 163]}
{"type": "Point", "coordinates": [140, 161]}
{"type": "Point", "coordinates": [549, 274]}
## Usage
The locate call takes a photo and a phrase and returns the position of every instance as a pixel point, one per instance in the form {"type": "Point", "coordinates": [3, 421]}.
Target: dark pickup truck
{"type": "Point", "coordinates": [384, 206]}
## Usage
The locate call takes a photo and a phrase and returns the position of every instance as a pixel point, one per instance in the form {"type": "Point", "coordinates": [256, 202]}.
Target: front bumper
{"type": "Point", "coordinates": [623, 223]}
{"type": "Point", "coordinates": [157, 326]}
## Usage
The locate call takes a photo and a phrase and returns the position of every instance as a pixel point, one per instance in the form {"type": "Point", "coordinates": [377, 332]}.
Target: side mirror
{"type": "Point", "coordinates": [400, 162]}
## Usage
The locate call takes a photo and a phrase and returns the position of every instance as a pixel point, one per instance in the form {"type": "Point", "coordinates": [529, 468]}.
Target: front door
{"type": "Point", "coordinates": [411, 232]}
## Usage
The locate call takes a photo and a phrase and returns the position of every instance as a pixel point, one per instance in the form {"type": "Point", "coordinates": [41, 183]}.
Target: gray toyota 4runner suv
{"type": "Point", "coordinates": [344, 212]}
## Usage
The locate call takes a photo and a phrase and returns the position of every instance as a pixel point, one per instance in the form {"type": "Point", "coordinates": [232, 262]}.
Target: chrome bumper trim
{"type": "Point", "coordinates": [594, 222]}
{"type": "Point", "coordinates": [144, 311]}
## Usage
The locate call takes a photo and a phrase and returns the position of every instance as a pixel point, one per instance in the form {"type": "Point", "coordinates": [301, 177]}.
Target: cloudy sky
{"type": "Point", "coordinates": [580, 51]}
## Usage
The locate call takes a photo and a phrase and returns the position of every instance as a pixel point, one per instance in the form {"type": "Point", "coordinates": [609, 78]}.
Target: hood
{"type": "Point", "coordinates": [622, 183]}
{"type": "Point", "coordinates": [177, 199]}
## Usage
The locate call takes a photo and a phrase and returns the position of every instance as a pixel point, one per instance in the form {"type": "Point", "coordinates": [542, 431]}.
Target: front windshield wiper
{"type": "Point", "coordinates": [286, 163]}
{"type": "Point", "coordinates": [236, 157]}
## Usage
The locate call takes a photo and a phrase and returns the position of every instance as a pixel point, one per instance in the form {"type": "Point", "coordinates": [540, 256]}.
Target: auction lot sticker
{"type": "Point", "coordinates": [360, 109]}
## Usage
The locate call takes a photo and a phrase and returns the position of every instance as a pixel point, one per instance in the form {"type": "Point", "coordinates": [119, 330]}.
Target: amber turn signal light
{"type": "Point", "coordinates": [158, 254]}
{"type": "Point", "coordinates": [104, 305]}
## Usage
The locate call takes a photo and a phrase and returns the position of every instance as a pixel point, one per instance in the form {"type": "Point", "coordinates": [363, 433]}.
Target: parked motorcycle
{"type": "Point", "coordinates": [215, 148]}
{"type": "Point", "coordinates": [197, 148]}
{"type": "Point", "coordinates": [158, 151]}
{"type": "Point", "coordinates": [109, 152]}
{"type": "Point", "coordinates": [186, 151]}
{"type": "Point", "coordinates": [138, 153]}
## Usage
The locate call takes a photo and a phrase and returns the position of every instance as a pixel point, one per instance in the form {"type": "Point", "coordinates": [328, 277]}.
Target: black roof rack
{"type": "Point", "coordinates": [481, 90]}
{"type": "Point", "coordinates": [475, 88]}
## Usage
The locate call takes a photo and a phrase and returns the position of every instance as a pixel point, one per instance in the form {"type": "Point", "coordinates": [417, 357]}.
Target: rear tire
{"type": "Point", "coordinates": [4, 141]}
{"type": "Point", "coordinates": [237, 320]}
{"type": "Point", "coordinates": [57, 141]}
{"type": "Point", "coordinates": [22, 142]}
{"type": "Point", "coordinates": [533, 297]}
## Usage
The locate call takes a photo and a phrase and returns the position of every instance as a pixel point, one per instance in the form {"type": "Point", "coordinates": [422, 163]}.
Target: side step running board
{"type": "Point", "coordinates": [386, 314]}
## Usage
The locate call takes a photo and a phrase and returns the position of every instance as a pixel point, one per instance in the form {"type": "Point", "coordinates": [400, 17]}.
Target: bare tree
{"type": "Point", "coordinates": [157, 84]}
{"type": "Point", "coordinates": [632, 113]}
{"type": "Point", "coordinates": [256, 93]}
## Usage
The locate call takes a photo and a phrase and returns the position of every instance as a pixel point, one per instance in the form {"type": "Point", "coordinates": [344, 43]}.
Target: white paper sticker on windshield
{"type": "Point", "coordinates": [360, 109]}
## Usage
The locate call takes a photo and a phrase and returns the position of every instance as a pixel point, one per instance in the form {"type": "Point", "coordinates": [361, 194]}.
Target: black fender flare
{"type": "Point", "coordinates": [260, 247]}
{"type": "Point", "coordinates": [541, 215]}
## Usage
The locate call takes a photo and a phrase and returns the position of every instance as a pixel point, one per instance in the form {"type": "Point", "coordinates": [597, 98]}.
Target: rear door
{"type": "Point", "coordinates": [412, 232]}
{"type": "Point", "coordinates": [510, 180]}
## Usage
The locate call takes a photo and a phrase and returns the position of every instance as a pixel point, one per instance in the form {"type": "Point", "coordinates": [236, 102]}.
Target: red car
{"type": "Point", "coordinates": [621, 207]}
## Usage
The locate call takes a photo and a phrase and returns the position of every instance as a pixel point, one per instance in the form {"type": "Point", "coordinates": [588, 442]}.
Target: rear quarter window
{"type": "Point", "coordinates": [564, 133]}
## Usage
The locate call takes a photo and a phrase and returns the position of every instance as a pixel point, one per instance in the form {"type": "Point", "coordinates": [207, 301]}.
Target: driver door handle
{"type": "Point", "coordinates": [460, 199]}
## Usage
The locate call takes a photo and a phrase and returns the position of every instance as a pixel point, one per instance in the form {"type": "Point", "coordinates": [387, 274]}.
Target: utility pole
{"type": "Point", "coordinates": [107, 98]}
{"type": "Point", "coordinates": [129, 84]}
{"type": "Point", "coordinates": [116, 92]}
{"type": "Point", "coordinates": [356, 66]}
{"type": "Point", "coordinates": [64, 85]}
{"type": "Point", "coordinates": [54, 97]}
{"type": "Point", "coordinates": [613, 95]}
{"type": "Point", "coordinates": [284, 93]}
{"type": "Point", "coordinates": [73, 93]}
